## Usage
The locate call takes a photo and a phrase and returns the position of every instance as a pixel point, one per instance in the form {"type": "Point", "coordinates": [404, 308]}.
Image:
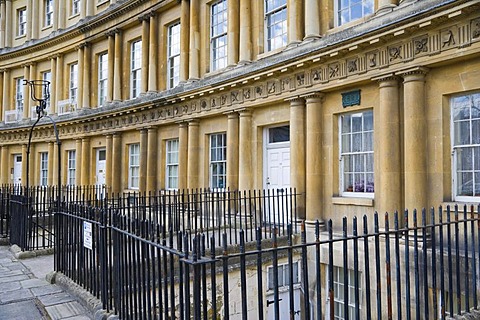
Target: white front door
{"type": "Point", "coordinates": [101, 161]}
{"type": "Point", "coordinates": [17, 168]}
{"type": "Point", "coordinates": [277, 175]}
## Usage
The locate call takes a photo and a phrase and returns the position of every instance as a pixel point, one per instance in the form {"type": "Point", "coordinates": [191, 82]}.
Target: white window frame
{"type": "Point", "coordinates": [357, 156]}
{"type": "Point", "coordinates": [71, 167]}
{"type": "Point", "coordinates": [171, 164]}
{"type": "Point", "coordinates": [48, 13]}
{"type": "Point", "coordinates": [19, 96]}
{"type": "Point", "coordinates": [134, 166]}
{"type": "Point", "coordinates": [102, 78]}
{"type": "Point", "coordinates": [173, 55]}
{"type": "Point", "coordinates": [218, 35]}
{"type": "Point", "coordinates": [75, 7]}
{"type": "Point", "coordinates": [43, 169]}
{"type": "Point", "coordinates": [366, 5]}
{"type": "Point", "coordinates": [135, 68]}
{"type": "Point", "coordinates": [73, 84]}
{"type": "Point", "coordinates": [338, 288]}
{"type": "Point", "coordinates": [271, 13]}
{"type": "Point", "coordinates": [283, 271]}
{"type": "Point", "coordinates": [22, 22]}
{"type": "Point", "coordinates": [218, 161]}
{"type": "Point", "coordinates": [471, 101]}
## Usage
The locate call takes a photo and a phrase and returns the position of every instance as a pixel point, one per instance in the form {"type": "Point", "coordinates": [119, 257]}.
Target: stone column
{"type": "Point", "coordinates": [233, 32]}
{"type": "Point", "coordinates": [245, 170]}
{"type": "Point", "coordinates": [56, 165]}
{"type": "Point", "coordinates": [83, 8]}
{"type": "Point", "coordinates": [62, 13]}
{"type": "Point", "coordinates": [86, 162]}
{"type": "Point", "coordinates": [50, 180]}
{"type": "Point", "coordinates": [117, 79]}
{"type": "Point", "coordinates": [9, 27]}
{"type": "Point", "coordinates": [87, 68]}
{"type": "Point", "coordinates": [60, 84]}
{"type": "Point", "coordinates": [89, 7]}
{"type": "Point", "coordinates": [35, 19]}
{"type": "Point", "coordinates": [26, 93]}
{"type": "Point", "coordinates": [314, 164]}
{"type": "Point", "coordinates": [312, 19]}
{"type": "Point", "coordinates": [388, 182]}
{"type": "Point", "coordinates": [145, 50]}
{"type": "Point", "coordinates": [108, 161]}
{"type": "Point", "coordinates": [295, 21]}
{"type": "Point", "coordinates": [143, 160]}
{"type": "Point", "coordinates": [56, 10]}
{"type": "Point", "coordinates": [184, 40]}
{"type": "Point", "coordinates": [182, 155]}
{"type": "Point", "coordinates": [78, 162]}
{"type": "Point", "coordinates": [4, 168]}
{"type": "Point", "coordinates": [245, 31]}
{"type": "Point", "coordinates": [193, 152]}
{"type": "Point", "coordinates": [31, 170]}
{"type": "Point", "coordinates": [111, 64]}
{"type": "Point", "coordinates": [385, 6]}
{"type": "Point", "coordinates": [232, 150]}
{"type": "Point", "coordinates": [6, 92]}
{"type": "Point", "coordinates": [2, 106]}
{"type": "Point", "coordinates": [53, 86]}
{"type": "Point", "coordinates": [80, 67]}
{"type": "Point", "coordinates": [194, 61]}
{"type": "Point", "coordinates": [153, 54]}
{"type": "Point", "coordinates": [117, 163]}
{"type": "Point", "coordinates": [28, 28]}
{"type": "Point", "coordinates": [415, 139]}
{"type": "Point", "coordinates": [2, 24]}
{"type": "Point", "coordinates": [31, 76]}
{"type": "Point", "coordinates": [152, 160]}
{"type": "Point", "coordinates": [297, 152]}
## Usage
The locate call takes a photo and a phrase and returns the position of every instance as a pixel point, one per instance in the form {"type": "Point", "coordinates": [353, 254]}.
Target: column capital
{"type": "Point", "coordinates": [417, 71]}
{"type": "Point", "coordinates": [113, 32]}
{"type": "Point", "coordinates": [245, 112]}
{"type": "Point", "coordinates": [314, 97]}
{"type": "Point", "coordinates": [193, 122]}
{"type": "Point", "coordinates": [83, 45]}
{"type": "Point", "coordinates": [86, 139]}
{"type": "Point", "coordinates": [231, 114]}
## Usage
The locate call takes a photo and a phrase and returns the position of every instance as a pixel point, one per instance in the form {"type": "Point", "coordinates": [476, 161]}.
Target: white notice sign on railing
{"type": "Point", "coordinates": [87, 235]}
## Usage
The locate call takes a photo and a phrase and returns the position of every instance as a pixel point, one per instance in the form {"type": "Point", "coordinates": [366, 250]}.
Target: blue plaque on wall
{"type": "Point", "coordinates": [351, 98]}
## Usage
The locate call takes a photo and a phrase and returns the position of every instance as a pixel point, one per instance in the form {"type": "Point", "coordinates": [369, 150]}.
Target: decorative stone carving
{"type": "Point", "coordinates": [300, 79]}
{"type": "Point", "coordinates": [421, 45]}
{"type": "Point", "coordinates": [448, 38]}
{"type": "Point", "coordinates": [475, 26]}
{"type": "Point", "coordinates": [334, 70]}
{"type": "Point", "coordinates": [271, 87]}
{"type": "Point", "coordinates": [395, 52]}
{"type": "Point", "coordinates": [352, 65]}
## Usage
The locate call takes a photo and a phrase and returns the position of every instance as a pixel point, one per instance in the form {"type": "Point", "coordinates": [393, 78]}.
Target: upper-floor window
{"type": "Point", "coordinates": [135, 69]}
{"type": "Point", "coordinates": [43, 168]}
{"type": "Point", "coordinates": [134, 166]}
{"type": "Point", "coordinates": [102, 78]}
{"type": "Point", "coordinates": [466, 147]}
{"type": "Point", "coordinates": [173, 55]}
{"type": "Point", "coordinates": [275, 24]}
{"type": "Point", "coordinates": [171, 172]}
{"type": "Point", "coordinates": [75, 7]}
{"type": "Point", "coordinates": [19, 94]}
{"type": "Point", "coordinates": [218, 160]}
{"type": "Point", "coordinates": [356, 154]}
{"type": "Point", "coordinates": [349, 10]}
{"type": "Point", "coordinates": [218, 35]}
{"type": "Point", "coordinates": [73, 87]}
{"type": "Point", "coordinates": [71, 167]}
{"type": "Point", "coordinates": [47, 76]}
{"type": "Point", "coordinates": [22, 22]}
{"type": "Point", "coordinates": [48, 13]}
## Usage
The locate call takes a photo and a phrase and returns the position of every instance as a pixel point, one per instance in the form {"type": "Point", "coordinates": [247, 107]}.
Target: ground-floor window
{"type": "Point", "coordinates": [171, 172]}
{"type": "Point", "coordinates": [339, 293]}
{"type": "Point", "coordinates": [43, 168]}
{"type": "Point", "coordinates": [218, 160]}
{"type": "Point", "coordinates": [466, 146]}
{"type": "Point", "coordinates": [71, 167]}
{"type": "Point", "coordinates": [134, 166]}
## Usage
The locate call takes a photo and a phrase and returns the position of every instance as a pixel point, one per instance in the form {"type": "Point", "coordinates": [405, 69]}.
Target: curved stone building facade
{"type": "Point", "coordinates": [361, 106]}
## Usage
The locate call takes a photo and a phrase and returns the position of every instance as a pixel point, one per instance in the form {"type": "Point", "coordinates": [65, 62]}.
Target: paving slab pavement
{"type": "Point", "coordinates": [26, 295]}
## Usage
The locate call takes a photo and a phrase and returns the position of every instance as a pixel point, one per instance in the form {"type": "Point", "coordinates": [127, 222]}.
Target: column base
{"type": "Point", "coordinates": [244, 62]}
{"type": "Point", "coordinates": [310, 224]}
{"type": "Point", "coordinates": [312, 37]}
{"type": "Point", "coordinates": [193, 79]}
{"type": "Point", "coordinates": [385, 9]}
{"type": "Point", "coordinates": [293, 44]}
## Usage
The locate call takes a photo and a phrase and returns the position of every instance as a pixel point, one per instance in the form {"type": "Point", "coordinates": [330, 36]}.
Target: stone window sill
{"type": "Point", "coordinates": [364, 202]}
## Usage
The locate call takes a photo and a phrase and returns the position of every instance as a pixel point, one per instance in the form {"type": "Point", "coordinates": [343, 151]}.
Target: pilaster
{"type": "Point", "coordinates": [59, 82]}
{"type": "Point", "coordinates": [182, 155]}
{"type": "Point", "coordinates": [233, 32]}
{"type": "Point", "coordinates": [6, 91]}
{"type": "Point", "coordinates": [145, 50]}
{"type": "Point", "coordinates": [86, 162]}
{"type": "Point", "coordinates": [152, 160]}
{"type": "Point", "coordinates": [9, 28]}
{"type": "Point", "coordinates": [53, 86]}
{"type": "Point", "coordinates": [50, 163]}
{"type": "Point", "coordinates": [26, 92]}
{"type": "Point", "coordinates": [195, 40]}
{"type": "Point", "coordinates": [4, 165]}
{"type": "Point", "coordinates": [108, 160]}
{"type": "Point", "coordinates": [117, 163]}
{"type": "Point", "coordinates": [87, 68]}
{"type": "Point", "coordinates": [111, 64]}
{"type": "Point", "coordinates": [35, 19]}
{"type": "Point", "coordinates": [2, 24]}
{"type": "Point", "coordinates": [80, 74]}
{"type": "Point", "coordinates": [143, 160]}
{"type": "Point", "coordinates": [31, 164]}
{"type": "Point", "coordinates": [295, 21]}
{"type": "Point", "coordinates": [184, 40]}
{"type": "Point", "coordinates": [78, 162]}
{"type": "Point", "coordinates": [312, 19]}
{"type": "Point", "coordinates": [153, 54]}
{"type": "Point", "coordinates": [117, 79]}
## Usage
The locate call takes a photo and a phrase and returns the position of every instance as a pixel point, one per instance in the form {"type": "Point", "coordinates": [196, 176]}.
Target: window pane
{"type": "Point", "coordinates": [279, 134]}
